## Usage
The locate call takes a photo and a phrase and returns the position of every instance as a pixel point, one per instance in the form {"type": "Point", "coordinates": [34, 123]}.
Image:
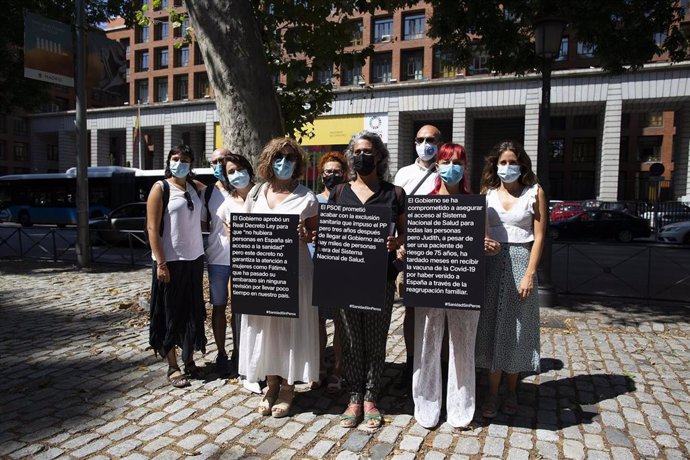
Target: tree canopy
{"type": "Point", "coordinates": [17, 92]}
{"type": "Point", "coordinates": [622, 33]}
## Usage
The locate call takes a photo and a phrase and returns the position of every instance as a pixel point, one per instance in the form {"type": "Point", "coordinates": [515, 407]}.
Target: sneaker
{"type": "Point", "coordinates": [222, 365]}
{"type": "Point", "coordinates": [252, 387]}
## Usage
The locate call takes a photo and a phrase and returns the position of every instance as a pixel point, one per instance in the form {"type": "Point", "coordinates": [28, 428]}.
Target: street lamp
{"type": "Point", "coordinates": [548, 33]}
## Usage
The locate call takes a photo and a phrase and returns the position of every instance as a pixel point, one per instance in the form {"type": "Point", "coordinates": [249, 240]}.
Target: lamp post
{"type": "Point", "coordinates": [548, 33]}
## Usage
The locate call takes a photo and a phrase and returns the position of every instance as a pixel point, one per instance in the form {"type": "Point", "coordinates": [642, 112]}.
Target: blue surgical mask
{"type": "Point", "coordinates": [218, 171]}
{"type": "Point", "coordinates": [426, 151]}
{"type": "Point", "coordinates": [239, 179]}
{"type": "Point", "coordinates": [179, 169]}
{"type": "Point", "coordinates": [451, 173]}
{"type": "Point", "coordinates": [508, 173]}
{"type": "Point", "coordinates": [283, 168]}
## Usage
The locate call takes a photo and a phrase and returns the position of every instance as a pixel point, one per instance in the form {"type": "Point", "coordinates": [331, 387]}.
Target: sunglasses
{"type": "Point", "coordinates": [429, 140]}
{"type": "Point", "coordinates": [216, 162]}
{"type": "Point", "coordinates": [190, 203]}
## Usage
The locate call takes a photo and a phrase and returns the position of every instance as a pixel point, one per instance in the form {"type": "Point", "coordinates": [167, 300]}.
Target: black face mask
{"type": "Point", "coordinates": [364, 164]}
{"type": "Point", "coordinates": [331, 181]}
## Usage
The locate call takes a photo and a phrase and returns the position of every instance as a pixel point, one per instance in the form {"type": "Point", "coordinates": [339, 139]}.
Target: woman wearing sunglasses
{"type": "Point", "coordinates": [173, 216]}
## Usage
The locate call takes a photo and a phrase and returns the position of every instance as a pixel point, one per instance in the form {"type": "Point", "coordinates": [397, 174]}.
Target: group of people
{"type": "Point", "coordinates": [503, 337]}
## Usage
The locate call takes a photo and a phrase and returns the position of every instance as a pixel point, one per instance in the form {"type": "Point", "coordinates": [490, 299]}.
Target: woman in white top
{"type": "Point", "coordinates": [173, 215]}
{"type": "Point", "coordinates": [283, 350]}
{"type": "Point", "coordinates": [508, 331]}
{"type": "Point", "coordinates": [235, 175]}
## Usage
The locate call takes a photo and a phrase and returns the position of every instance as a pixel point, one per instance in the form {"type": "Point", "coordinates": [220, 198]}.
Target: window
{"type": "Point", "coordinates": [161, 29]}
{"type": "Point", "coordinates": [584, 150]}
{"type": "Point", "coordinates": [180, 87]}
{"type": "Point", "coordinates": [179, 32]}
{"type": "Point", "coordinates": [412, 65]}
{"type": "Point", "coordinates": [414, 26]}
{"type": "Point", "coordinates": [198, 58]}
{"type": "Point", "coordinates": [653, 119]}
{"type": "Point", "coordinates": [182, 56]}
{"type": "Point", "coordinates": [142, 60]}
{"type": "Point", "coordinates": [178, 2]}
{"type": "Point", "coordinates": [557, 150]}
{"type": "Point", "coordinates": [357, 34]}
{"type": "Point", "coordinates": [161, 55]}
{"type": "Point", "coordinates": [660, 38]}
{"type": "Point", "coordinates": [141, 34]}
{"type": "Point", "coordinates": [649, 148]}
{"type": "Point", "coordinates": [350, 74]}
{"type": "Point", "coordinates": [585, 50]}
{"type": "Point", "coordinates": [125, 44]}
{"type": "Point", "coordinates": [161, 89]}
{"type": "Point", "coordinates": [585, 122]}
{"type": "Point", "coordinates": [141, 90]}
{"type": "Point", "coordinates": [201, 86]}
{"type": "Point", "coordinates": [478, 65]}
{"type": "Point", "coordinates": [21, 151]}
{"type": "Point", "coordinates": [563, 52]}
{"type": "Point", "coordinates": [20, 127]}
{"type": "Point", "coordinates": [324, 76]}
{"type": "Point", "coordinates": [383, 30]}
{"type": "Point", "coordinates": [443, 65]}
{"type": "Point", "coordinates": [52, 152]}
{"type": "Point", "coordinates": [381, 68]}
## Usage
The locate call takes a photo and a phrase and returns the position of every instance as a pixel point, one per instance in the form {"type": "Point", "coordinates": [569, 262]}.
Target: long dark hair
{"type": "Point", "coordinates": [240, 161]}
{"type": "Point", "coordinates": [490, 177]}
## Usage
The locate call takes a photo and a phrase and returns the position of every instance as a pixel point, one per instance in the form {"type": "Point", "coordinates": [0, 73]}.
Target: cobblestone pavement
{"type": "Point", "coordinates": [78, 381]}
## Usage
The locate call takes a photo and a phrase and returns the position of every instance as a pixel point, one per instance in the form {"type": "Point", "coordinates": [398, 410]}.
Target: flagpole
{"type": "Point", "coordinates": [140, 134]}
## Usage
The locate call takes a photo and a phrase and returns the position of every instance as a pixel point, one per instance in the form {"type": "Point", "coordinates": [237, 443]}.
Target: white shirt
{"type": "Point", "coordinates": [181, 226]}
{"type": "Point", "coordinates": [409, 176]}
{"type": "Point", "coordinates": [218, 249]}
{"type": "Point", "coordinates": [516, 225]}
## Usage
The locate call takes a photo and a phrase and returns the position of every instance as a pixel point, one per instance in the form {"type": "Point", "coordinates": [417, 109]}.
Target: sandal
{"type": "Point", "coordinates": [193, 371]}
{"type": "Point", "coordinates": [335, 384]}
{"type": "Point", "coordinates": [266, 405]}
{"type": "Point", "coordinates": [352, 416]}
{"type": "Point", "coordinates": [178, 381]}
{"type": "Point", "coordinates": [372, 416]}
{"type": "Point", "coordinates": [286, 395]}
{"type": "Point", "coordinates": [490, 407]}
{"type": "Point", "coordinates": [510, 404]}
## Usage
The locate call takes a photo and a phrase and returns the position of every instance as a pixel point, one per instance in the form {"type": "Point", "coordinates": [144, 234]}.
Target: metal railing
{"type": "Point", "coordinates": [646, 271]}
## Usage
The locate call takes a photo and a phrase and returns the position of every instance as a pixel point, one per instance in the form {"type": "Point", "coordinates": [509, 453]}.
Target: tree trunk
{"type": "Point", "coordinates": [230, 43]}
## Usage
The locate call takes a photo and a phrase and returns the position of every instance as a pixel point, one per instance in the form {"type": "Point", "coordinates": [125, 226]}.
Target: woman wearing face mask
{"type": "Point", "coordinates": [177, 299]}
{"type": "Point", "coordinates": [508, 331]}
{"type": "Point", "coordinates": [364, 334]}
{"type": "Point", "coordinates": [333, 167]}
{"type": "Point", "coordinates": [427, 390]}
{"type": "Point", "coordinates": [283, 350]}
{"type": "Point", "coordinates": [234, 174]}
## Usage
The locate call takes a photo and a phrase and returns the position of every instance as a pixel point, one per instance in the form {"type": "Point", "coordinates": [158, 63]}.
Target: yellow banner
{"type": "Point", "coordinates": [335, 130]}
{"type": "Point", "coordinates": [217, 136]}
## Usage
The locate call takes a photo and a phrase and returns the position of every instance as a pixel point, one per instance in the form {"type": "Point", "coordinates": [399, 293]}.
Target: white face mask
{"type": "Point", "coordinates": [508, 173]}
{"type": "Point", "coordinates": [426, 151]}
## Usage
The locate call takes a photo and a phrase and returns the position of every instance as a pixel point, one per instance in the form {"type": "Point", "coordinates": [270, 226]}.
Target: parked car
{"type": "Point", "coordinates": [667, 212]}
{"type": "Point", "coordinates": [677, 232]}
{"type": "Point", "coordinates": [108, 228]}
{"type": "Point", "coordinates": [553, 203]}
{"type": "Point", "coordinates": [566, 209]}
{"type": "Point", "coordinates": [601, 225]}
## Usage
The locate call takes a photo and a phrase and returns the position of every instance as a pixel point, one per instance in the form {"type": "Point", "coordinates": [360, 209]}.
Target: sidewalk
{"type": "Point", "coordinates": [78, 382]}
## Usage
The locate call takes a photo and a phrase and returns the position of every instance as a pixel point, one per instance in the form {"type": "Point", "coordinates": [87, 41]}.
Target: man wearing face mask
{"type": "Point", "coordinates": [416, 179]}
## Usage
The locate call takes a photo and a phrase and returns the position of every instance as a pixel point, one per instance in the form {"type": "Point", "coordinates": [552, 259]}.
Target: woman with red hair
{"type": "Point", "coordinates": [427, 390]}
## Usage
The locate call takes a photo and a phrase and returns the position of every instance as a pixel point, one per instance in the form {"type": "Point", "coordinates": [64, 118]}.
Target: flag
{"type": "Point", "coordinates": [136, 130]}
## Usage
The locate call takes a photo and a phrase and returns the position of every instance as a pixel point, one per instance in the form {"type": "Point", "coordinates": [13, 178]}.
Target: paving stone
{"type": "Point", "coordinates": [573, 449]}
{"type": "Point", "coordinates": [621, 453]}
{"type": "Point", "coordinates": [48, 454]}
{"type": "Point", "coordinates": [380, 450]}
{"type": "Point", "coordinates": [321, 448]}
{"type": "Point", "coordinates": [156, 430]}
{"type": "Point", "coordinates": [158, 444]}
{"type": "Point", "coordinates": [269, 446]}
{"type": "Point", "coordinates": [547, 449]}
{"type": "Point", "coordinates": [119, 450]}
{"type": "Point", "coordinates": [517, 454]}
{"type": "Point", "coordinates": [666, 441]}
{"type": "Point", "coordinates": [228, 435]}
{"type": "Point", "coordinates": [442, 441]}
{"type": "Point", "coordinates": [356, 441]}
{"type": "Point", "coordinates": [617, 437]}
{"type": "Point", "coordinates": [404, 456]}
{"type": "Point", "coordinates": [469, 446]}
{"type": "Point", "coordinates": [189, 442]}
{"type": "Point", "coordinates": [434, 455]}
{"type": "Point", "coordinates": [234, 453]}
{"type": "Point", "coordinates": [493, 446]}
{"type": "Point", "coordinates": [521, 440]}
{"type": "Point", "coordinates": [647, 448]}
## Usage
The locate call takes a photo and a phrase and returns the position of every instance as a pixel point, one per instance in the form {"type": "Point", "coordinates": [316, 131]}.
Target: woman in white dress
{"type": "Point", "coordinates": [283, 350]}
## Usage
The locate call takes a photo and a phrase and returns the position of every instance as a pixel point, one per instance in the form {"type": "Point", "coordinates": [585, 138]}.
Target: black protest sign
{"type": "Point", "coordinates": [445, 251]}
{"type": "Point", "coordinates": [351, 259]}
{"type": "Point", "coordinates": [264, 254]}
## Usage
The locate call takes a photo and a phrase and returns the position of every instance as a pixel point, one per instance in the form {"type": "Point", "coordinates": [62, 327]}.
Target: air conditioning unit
{"type": "Point", "coordinates": [385, 39]}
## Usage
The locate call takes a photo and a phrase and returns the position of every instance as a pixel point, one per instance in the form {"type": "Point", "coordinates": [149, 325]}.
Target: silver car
{"type": "Point", "coordinates": [678, 232]}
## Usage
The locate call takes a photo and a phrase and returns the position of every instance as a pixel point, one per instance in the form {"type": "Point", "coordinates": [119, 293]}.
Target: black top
{"type": "Point", "coordinates": [387, 195]}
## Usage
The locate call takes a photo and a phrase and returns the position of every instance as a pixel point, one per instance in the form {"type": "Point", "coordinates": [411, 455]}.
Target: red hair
{"type": "Point", "coordinates": [446, 152]}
